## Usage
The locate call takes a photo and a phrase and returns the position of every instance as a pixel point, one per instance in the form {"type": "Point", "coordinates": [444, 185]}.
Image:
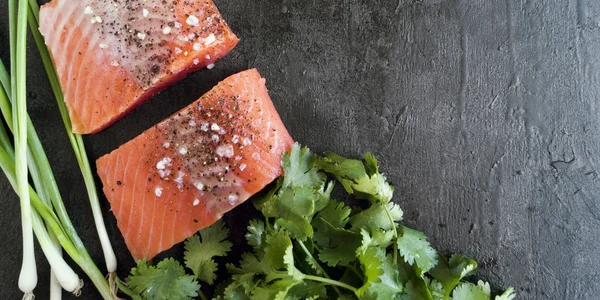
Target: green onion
{"type": "Point", "coordinates": [28, 275]}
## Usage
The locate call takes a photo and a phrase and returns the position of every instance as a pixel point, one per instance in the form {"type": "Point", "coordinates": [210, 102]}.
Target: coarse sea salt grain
{"type": "Point", "coordinates": [210, 66]}
{"type": "Point", "coordinates": [164, 173]}
{"type": "Point", "coordinates": [215, 127]}
{"type": "Point", "coordinates": [210, 39]}
{"type": "Point", "coordinates": [141, 35]}
{"type": "Point", "coordinates": [167, 30]}
{"type": "Point", "coordinates": [204, 127]}
{"type": "Point", "coordinates": [242, 167]}
{"type": "Point", "coordinates": [215, 138]}
{"type": "Point", "coordinates": [225, 151]}
{"type": "Point", "coordinates": [192, 20]}
{"type": "Point", "coordinates": [158, 191]}
{"type": "Point", "coordinates": [235, 139]}
{"type": "Point", "coordinates": [166, 145]}
{"type": "Point", "coordinates": [199, 185]}
{"type": "Point", "coordinates": [88, 10]}
{"type": "Point", "coordinates": [196, 61]}
{"type": "Point", "coordinates": [196, 202]}
{"type": "Point", "coordinates": [232, 199]}
{"type": "Point", "coordinates": [103, 46]}
{"type": "Point", "coordinates": [183, 150]}
{"type": "Point", "coordinates": [197, 46]}
{"type": "Point", "coordinates": [163, 163]}
{"type": "Point", "coordinates": [145, 12]}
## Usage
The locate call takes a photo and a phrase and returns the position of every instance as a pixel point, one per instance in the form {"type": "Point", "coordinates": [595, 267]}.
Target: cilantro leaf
{"type": "Point", "coordinates": [165, 281]}
{"type": "Point", "coordinates": [345, 170]}
{"type": "Point", "coordinates": [336, 214]}
{"type": "Point", "coordinates": [376, 217]}
{"type": "Point", "coordinates": [292, 208]}
{"type": "Point", "coordinates": [342, 248]}
{"type": "Point", "coordinates": [509, 294]}
{"type": "Point", "coordinates": [469, 291]}
{"type": "Point", "coordinates": [288, 260]}
{"type": "Point", "coordinates": [436, 286]}
{"type": "Point", "coordinates": [199, 254]}
{"type": "Point", "coordinates": [415, 249]}
{"type": "Point", "coordinates": [233, 292]}
{"type": "Point", "coordinates": [376, 238]}
{"type": "Point", "coordinates": [371, 164]}
{"type": "Point", "coordinates": [299, 168]}
{"type": "Point", "coordinates": [277, 243]}
{"type": "Point", "coordinates": [338, 245]}
{"type": "Point", "coordinates": [375, 188]}
{"type": "Point", "coordinates": [382, 279]}
{"type": "Point", "coordinates": [450, 272]}
{"type": "Point", "coordinates": [307, 290]}
{"type": "Point", "coordinates": [365, 182]}
{"type": "Point", "coordinates": [333, 216]}
{"type": "Point", "coordinates": [256, 234]}
{"type": "Point", "coordinates": [415, 286]}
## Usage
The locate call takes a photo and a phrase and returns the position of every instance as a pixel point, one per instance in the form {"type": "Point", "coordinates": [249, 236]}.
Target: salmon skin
{"type": "Point", "coordinates": [112, 55]}
{"type": "Point", "coordinates": [184, 173]}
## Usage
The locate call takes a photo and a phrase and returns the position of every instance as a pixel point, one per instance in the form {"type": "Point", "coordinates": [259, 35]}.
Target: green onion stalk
{"type": "Point", "coordinates": [27, 157]}
{"type": "Point", "coordinates": [58, 223]}
{"type": "Point", "coordinates": [18, 44]}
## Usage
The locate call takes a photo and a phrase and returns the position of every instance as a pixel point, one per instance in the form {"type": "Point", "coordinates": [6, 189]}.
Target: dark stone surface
{"type": "Point", "coordinates": [484, 115]}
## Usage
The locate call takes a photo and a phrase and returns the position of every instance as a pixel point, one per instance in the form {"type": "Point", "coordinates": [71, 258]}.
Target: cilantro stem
{"type": "Point", "coordinates": [395, 253]}
{"type": "Point", "coordinates": [438, 294]}
{"type": "Point", "coordinates": [353, 269]}
{"type": "Point", "coordinates": [125, 290]}
{"type": "Point", "coordinates": [331, 282]}
{"type": "Point", "coordinates": [316, 263]}
{"type": "Point", "coordinates": [201, 295]}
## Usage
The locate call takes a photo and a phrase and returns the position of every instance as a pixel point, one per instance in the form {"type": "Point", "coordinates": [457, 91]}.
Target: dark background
{"type": "Point", "coordinates": [483, 114]}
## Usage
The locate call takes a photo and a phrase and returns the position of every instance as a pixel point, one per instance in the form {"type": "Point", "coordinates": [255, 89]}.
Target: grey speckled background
{"type": "Point", "coordinates": [484, 115]}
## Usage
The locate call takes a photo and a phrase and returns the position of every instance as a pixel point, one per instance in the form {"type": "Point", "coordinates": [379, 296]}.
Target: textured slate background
{"type": "Point", "coordinates": [483, 113]}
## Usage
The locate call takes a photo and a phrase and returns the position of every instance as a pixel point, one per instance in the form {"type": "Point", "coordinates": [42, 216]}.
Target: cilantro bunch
{"type": "Point", "coordinates": [310, 246]}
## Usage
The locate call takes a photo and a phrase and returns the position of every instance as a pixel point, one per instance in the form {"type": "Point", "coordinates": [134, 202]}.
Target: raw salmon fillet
{"type": "Point", "coordinates": [184, 173]}
{"type": "Point", "coordinates": [111, 56]}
